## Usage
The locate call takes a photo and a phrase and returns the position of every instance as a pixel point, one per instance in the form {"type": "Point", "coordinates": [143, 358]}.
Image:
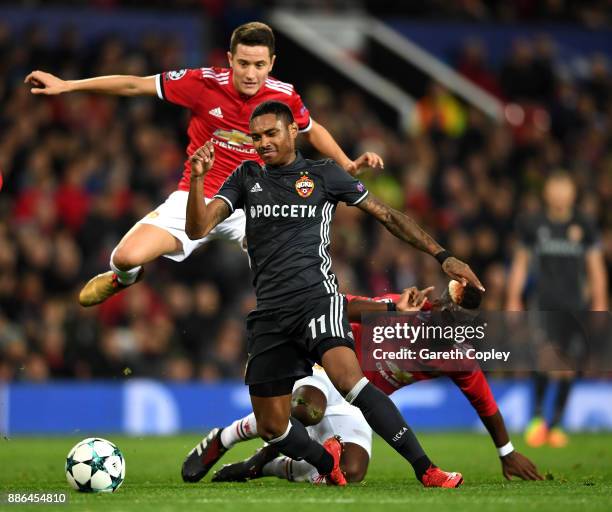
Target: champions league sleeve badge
{"type": "Point", "coordinates": [304, 186]}
{"type": "Point", "coordinates": [176, 75]}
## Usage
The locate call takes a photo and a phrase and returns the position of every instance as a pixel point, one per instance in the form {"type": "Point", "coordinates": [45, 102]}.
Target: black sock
{"type": "Point", "coordinates": [563, 391]}
{"type": "Point", "coordinates": [541, 383]}
{"type": "Point", "coordinates": [297, 445]}
{"type": "Point", "coordinates": [384, 418]}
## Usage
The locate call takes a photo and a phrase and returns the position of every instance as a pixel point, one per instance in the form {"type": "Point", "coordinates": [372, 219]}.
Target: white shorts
{"type": "Point", "coordinates": [341, 418]}
{"type": "Point", "coordinates": [171, 216]}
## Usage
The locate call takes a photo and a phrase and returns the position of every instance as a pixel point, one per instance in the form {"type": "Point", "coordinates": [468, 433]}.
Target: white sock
{"type": "Point", "coordinates": [124, 276]}
{"type": "Point", "coordinates": [240, 430]}
{"type": "Point", "coordinates": [289, 469]}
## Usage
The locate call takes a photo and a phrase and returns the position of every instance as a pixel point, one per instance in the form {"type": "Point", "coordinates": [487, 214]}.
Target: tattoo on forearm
{"type": "Point", "coordinates": [400, 225]}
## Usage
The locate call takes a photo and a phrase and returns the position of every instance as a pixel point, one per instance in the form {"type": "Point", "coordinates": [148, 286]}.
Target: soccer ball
{"type": "Point", "coordinates": [95, 465]}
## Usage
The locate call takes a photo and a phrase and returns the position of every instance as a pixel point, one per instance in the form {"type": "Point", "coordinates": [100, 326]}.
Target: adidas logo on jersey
{"type": "Point", "coordinates": [256, 188]}
{"type": "Point", "coordinates": [216, 112]}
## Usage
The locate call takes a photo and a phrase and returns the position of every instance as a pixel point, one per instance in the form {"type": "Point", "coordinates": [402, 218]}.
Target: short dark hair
{"type": "Point", "coordinates": [254, 33]}
{"type": "Point", "coordinates": [278, 108]}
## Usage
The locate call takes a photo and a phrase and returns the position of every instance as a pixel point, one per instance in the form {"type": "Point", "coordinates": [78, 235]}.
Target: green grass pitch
{"type": "Point", "coordinates": [579, 478]}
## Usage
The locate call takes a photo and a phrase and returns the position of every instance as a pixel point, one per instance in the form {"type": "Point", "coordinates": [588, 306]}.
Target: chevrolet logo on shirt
{"type": "Point", "coordinates": [233, 137]}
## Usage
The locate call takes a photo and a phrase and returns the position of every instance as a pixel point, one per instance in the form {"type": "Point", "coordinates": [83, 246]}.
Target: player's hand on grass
{"type": "Point", "coordinates": [413, 299]}
{"type": "Point", "coordinates": [46, 83]}
{"type": "Point", "coordinates": [461, 272]}
{"type": "Point", "coordinates": [516, 464]}
{"type": "Point", "coordinates": [368, 160]}
{"type": "Point", "coordinates": [202, 160]}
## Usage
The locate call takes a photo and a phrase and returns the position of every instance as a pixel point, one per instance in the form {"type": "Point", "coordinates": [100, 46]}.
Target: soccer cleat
{"type": "Point", "coordinates": [103, 286]}
{"type": "Point", "coordinates": [435, 477]}
{"type": "Point", "coordinates": [557, 438]}
{"type": "Point", "coordinates": [248, 469]}
{"type": "Point", "coordinates": [203, 457]}
{"type": "Point", "coordinates": [536, 433]}
{"type": "Point", "coordinates": [333, 446]}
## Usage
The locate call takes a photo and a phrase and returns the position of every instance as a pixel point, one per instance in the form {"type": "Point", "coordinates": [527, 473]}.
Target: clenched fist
{"type": "Point", "coordinates": [202, 160]}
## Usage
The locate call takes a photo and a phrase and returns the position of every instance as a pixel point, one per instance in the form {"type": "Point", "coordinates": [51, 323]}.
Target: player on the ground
{"type": "Point", "coordinates": [319, 406]}
{"type": "Point", "coordinates": [221, 101]}
{"type": "Point", "coordinates": [300, 317]}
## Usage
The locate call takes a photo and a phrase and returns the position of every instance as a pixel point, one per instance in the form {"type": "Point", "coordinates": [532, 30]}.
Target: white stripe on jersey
{"type": "Point", "coordinates": [359, 200]}
{"type": "Point", "coordinates": [335, 317]}
{"type": "Point", "coordinates": [307, 127]}
{"type": "Point", "coordinates": [213, 72]}
{"type": "Point", "coordinates": [278, 83]}
{"type": "Point", "coordinates": [221, 78]}
{"type": "Point", "coordinates": [158, 86]}
{"type": "Point", "coordinates": [327, 217]}
{"type": "Point", "coordinates": [288, 92]}
{"type": "Point", "coordinates": [332, 323]}
{"type": "Point", "coordinates": [332, 282]}
{"type": "Point", "coordinates": [340, 300]}
{"type": "Point", "coordinates": [322, 248]}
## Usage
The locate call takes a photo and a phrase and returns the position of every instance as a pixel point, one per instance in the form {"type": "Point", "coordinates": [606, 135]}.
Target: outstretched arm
{"type": "Point", "coordinates": [121, 85]}
{"type": "Point", "coordinates": [513, 463]}
{"type": "Point", "coordinates": [411, 299]}
{"type": "Point", "coordinates": [202, 218]}
{"type": "Point", "coordinates": [325, 144]}
{"type": "Point", "coordinates": [406, 229]}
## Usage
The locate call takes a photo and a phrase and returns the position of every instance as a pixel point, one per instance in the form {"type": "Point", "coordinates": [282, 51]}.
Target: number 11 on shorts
{"type": "Point", "coordinates": [313, 326]}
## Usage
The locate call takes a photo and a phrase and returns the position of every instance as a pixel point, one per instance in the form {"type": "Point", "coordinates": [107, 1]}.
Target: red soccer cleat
{"type": "Point", "coordinates": [435, 477]}
{"type": "Point", "coordinates": [333, 446]}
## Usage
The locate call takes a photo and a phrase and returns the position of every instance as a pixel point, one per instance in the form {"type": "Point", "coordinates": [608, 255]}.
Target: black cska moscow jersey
{"type": "Point", "coordinates": [559, 250]}
{"type": "Point", "coordinates": [288, 218]}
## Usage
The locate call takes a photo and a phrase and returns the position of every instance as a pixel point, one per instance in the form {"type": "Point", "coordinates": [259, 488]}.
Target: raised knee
{"type": "Point", "coordinates": [125, 259]}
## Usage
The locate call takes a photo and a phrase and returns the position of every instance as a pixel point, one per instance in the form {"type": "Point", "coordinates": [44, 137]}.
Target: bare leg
{"type": "Point", "coordinates": [141, 244]}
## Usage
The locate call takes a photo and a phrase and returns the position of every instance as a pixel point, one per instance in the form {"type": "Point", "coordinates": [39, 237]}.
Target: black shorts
{"type": "Point", "coordinates": [565, 331]}
{"type": "Point", "coordinates": [284, 342]}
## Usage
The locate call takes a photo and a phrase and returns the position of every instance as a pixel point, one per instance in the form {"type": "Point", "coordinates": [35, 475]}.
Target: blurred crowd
{"type": "Point", "coordinates": [80, 170]}
{"type": "Point", "coordinates": [590, 13]}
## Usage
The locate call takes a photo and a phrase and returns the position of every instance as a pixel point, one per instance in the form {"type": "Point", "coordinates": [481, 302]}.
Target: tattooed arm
{"type": "Point", "coordinates": [202, 218]}
{"type": "Point", "coordinates": [400, 225]}
{"type": "Point", "coordinates": [406, 229]}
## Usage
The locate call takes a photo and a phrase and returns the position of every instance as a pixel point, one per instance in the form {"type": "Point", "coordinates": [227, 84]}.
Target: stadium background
{"type": "Point", "coordinates": [168, 354]}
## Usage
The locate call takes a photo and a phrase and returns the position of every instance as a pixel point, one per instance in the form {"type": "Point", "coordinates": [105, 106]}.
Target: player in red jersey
{"type": "Point", "coordinates": [320, 407]}
{"type": "Point", "coordinates": [221, 101]}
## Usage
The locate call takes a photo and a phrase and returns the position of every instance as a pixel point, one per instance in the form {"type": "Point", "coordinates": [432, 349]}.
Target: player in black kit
{"type": "Point", "coordinates": [566, 254]}
{"type": "Point", "coordinates": [300, 316]}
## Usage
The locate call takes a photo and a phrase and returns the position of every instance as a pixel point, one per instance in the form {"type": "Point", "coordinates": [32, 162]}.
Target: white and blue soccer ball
{"type": "Point", "coordinates": [95, 465]}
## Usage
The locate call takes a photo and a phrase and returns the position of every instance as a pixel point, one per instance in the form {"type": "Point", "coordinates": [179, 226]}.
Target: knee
{"type": "Point", "coordinates": [308, 405]}
{"type": "Point", "coordinates": [271, 428]}
{"type": "Point", "coordinates": [345, 381]}
{"type": "Point", "coordinates": [342, 368]}
{"type": "Point", "coordinates": [125, 258]}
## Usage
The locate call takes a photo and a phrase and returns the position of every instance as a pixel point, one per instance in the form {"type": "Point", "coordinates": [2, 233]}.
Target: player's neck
{"type": "Point", "coordinates": [559, 214]}
{"type": "Point", "coordinates": [292, 157]}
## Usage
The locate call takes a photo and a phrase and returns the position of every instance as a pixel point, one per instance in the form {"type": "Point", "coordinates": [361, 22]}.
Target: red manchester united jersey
{"type": "Point", "coordinates": [389, 378]}
{"type": "Point", "coordinates": [220, 113]}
